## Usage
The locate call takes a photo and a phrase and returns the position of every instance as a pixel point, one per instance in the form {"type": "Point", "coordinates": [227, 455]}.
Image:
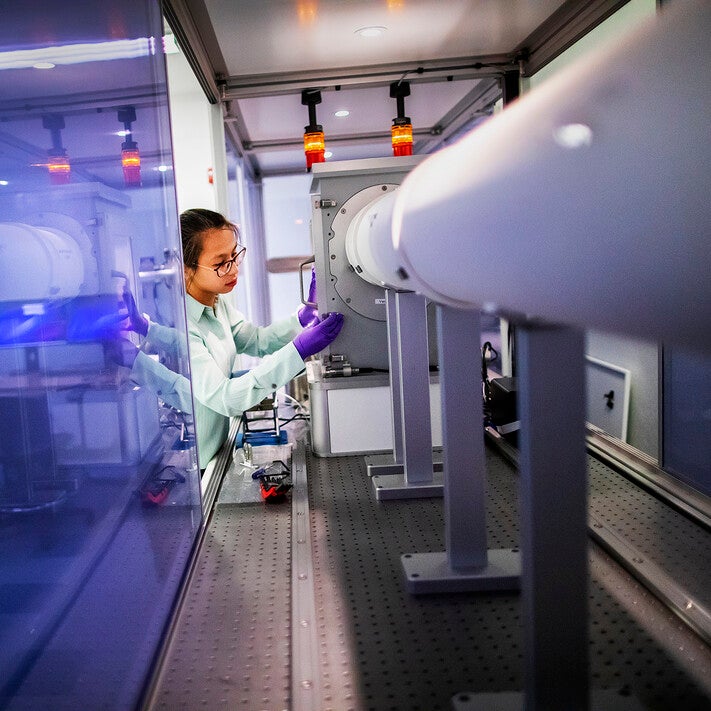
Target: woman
{"type": "Point", "coordinates": [218, 333]}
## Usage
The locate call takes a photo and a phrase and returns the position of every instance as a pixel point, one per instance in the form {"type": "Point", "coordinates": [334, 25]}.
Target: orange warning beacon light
{"type": "Point", "coordinates": [401, 130]}
{"type": "Point", "coordinates": [314, 139]}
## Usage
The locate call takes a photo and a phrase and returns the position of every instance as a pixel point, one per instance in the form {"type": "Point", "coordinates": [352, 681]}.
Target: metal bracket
{"type": "Point", "coordinates": [310, 260]}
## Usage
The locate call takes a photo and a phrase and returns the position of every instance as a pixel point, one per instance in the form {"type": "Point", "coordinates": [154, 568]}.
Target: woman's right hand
{"type": "Point", "coordinates": [315, 338]}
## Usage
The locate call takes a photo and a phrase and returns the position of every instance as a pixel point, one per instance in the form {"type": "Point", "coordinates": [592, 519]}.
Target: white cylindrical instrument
{"type": "Point", "coordinates": [39, 263]}
{"type": "Point", "coordinates": [585, 202]}
{"type": "Point", "coordinates": [369, 245]}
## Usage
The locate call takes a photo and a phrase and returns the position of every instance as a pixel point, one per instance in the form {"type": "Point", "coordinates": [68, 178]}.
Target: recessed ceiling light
{"type": "Point", "coordinates": [43, 65]}
{"type": "Point", "coordinates": [162, 168]}
{"type": "Point", "coordinates": [372, 31]}
{"type": "Point", "coordinates": [4, 182]}
{"type": "Point", "coordinates": [342, 113]}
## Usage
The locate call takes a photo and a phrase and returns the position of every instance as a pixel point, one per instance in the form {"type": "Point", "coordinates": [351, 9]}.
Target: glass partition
{"type": "Point", "coordinates": [99, 488]}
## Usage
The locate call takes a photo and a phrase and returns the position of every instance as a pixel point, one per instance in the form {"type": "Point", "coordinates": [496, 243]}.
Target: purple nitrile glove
{"type": "Point", "coordinates": [316, 338]}
{"type": "Point", "coordinates": [308, 316]}
{"type": "Point", "coordinates": [137, 321]}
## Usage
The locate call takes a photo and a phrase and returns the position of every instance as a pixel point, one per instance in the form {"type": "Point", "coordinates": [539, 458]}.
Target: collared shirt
{"type": "Point", "coordinates": [216, 337]}
{"type": "Point", "coordinates": [173, 388]}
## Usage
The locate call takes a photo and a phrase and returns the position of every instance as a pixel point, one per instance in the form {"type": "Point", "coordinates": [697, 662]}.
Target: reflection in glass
{"type": "Point", "coordinates": [99, 488]}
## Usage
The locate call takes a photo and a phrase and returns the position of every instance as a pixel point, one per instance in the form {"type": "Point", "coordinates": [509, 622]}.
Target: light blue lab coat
{"type": "Point", "coordinates": [216, 337]}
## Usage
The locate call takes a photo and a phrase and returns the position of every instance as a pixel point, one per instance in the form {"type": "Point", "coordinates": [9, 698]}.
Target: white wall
{"type": "Point", "coordinates": [198, 141]}
{"type": "Point", "coordinates": [640, 358]}
{"type": "Point", "coordinates": [287, 225]}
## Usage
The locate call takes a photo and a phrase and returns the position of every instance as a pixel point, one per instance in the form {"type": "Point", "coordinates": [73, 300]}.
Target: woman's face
{"type": "Point", "coordinates": [219, 245]}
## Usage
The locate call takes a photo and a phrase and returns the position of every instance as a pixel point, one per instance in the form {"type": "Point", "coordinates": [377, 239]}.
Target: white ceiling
{"type": "Point", "coordinates": [265, 52]}
{"type": "Point", "coordinates": [256, 56]}
{"type": "Point", "coordinates": [275, 124]}
{"type": "Point", "coordinates": [271, 118]}
{"type": "Point", "coordinates": [280, 36]}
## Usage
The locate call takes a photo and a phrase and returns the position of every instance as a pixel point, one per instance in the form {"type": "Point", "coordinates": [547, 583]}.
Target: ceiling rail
{"type": "Point", "coordinates": [192, 37]}
{"type": "Point", "coordinates": [258, 85]}
{"type": "Point", "coordinates": [562, 29]}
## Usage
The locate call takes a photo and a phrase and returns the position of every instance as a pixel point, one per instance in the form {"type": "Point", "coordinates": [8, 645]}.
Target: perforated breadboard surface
{"type": "Point", "coordinates": [231, 650]}
{"type": "Point", "coordinates": [661, 534]}
{"type": "Point", "coordinates": [382, 649]}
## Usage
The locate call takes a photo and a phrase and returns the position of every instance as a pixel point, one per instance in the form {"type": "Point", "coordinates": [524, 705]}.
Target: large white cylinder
{"type": "Point", "coordinates": [369, 245]}
{"type": "Point", "coordinates": [38, 263]}
{"type": "Point", "coordinates": [585, 202]}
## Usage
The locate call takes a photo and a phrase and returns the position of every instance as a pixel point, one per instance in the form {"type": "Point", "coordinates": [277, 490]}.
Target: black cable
{"type": "Point", "coordinates": [299, 416]}
{"type": "Point", "coordinates": [168, 425]}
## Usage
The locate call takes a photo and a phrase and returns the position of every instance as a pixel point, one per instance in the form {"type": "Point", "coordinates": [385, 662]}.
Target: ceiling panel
{"type": "Point", "coordinates": [371, 110]}
{"type": "Point", "coordinates": [269, 50]}
{"type": "Point", "coordinates": [256, 40]}
{"type": "Point", "coordinates": [292, 162]}
{"type": "Point", "coordinates": [278, 36]}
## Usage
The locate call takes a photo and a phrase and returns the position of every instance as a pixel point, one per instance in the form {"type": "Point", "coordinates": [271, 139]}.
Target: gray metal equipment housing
{"type": "Point", "coordinates": [339, 191]}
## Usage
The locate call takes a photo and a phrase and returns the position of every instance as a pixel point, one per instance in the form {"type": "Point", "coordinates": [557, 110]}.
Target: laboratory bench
{"type": "Point", "coordinates": [303, 604]}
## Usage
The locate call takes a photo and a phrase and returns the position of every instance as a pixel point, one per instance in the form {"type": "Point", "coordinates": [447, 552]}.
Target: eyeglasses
{"type": "Point", "coordinates": [226, 267]}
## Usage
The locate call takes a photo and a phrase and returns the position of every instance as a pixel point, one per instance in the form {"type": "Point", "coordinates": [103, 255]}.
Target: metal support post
{"type": "Point", "coordinates": [554, 517]}
{"type": "Point", "coordinates": [417, 479]}
{"type": "Point", "coordinates": [554, 582]}
{"type": "Point", "coordinates": [386, 463]}
{"type": "Point", "coordinates": [466, 564]}
{"type": "Point", "coordinates": [395, 373]}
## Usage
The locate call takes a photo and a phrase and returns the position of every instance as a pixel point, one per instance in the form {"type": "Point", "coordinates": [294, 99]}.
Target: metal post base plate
{"type": "Point", "coordinates": [394, 486]}
{"type": "Point", "coordinates": [602, 700]}
{"type": "Point", "coordinates": [377, 464]}
{"type": "Point", "coordinates": [382, 464]}
{"type": "Point", "coordinates": [431, 573]}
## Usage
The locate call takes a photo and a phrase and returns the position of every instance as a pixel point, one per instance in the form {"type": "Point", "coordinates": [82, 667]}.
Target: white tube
{"type": "Point", "coordinates": [369, 245]}
{"type": "Point", "coordinates": [586, 202]}
{"type": "Point", "coordinates": [38, 263]}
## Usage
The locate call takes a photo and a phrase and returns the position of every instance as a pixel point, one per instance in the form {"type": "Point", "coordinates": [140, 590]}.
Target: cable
{"type": "Point", "coordinates": [299, 416]}
{"type": "Point", "coordinates": [295, 401]}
